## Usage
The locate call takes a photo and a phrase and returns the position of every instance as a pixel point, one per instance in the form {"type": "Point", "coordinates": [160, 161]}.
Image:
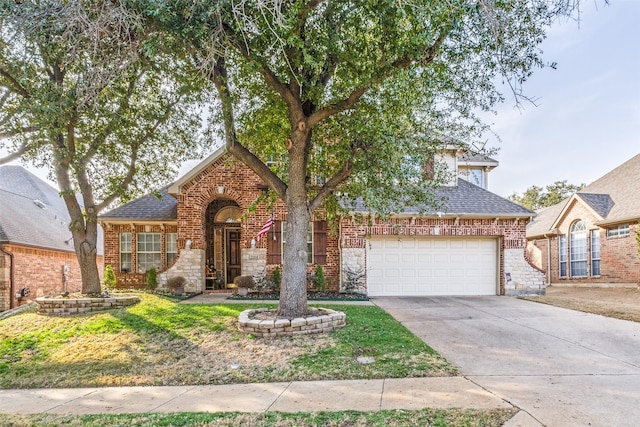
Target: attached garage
{"type": "Point", "coordinates": [432, 266]}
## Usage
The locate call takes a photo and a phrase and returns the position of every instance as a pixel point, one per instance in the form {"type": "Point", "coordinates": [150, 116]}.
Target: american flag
{"type": "Point", "coordinates": [265, 228]}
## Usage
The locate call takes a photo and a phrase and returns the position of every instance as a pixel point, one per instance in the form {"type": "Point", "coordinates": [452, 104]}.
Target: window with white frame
{"type": "Point", "coordinates": [476, 176]}
{"type": "Point", "coordinates": [149, 253]}
{"type": "Point", "coordinates": [618, 231]}
{"type": "Point", "coordinates": [562, 255]}
{"type": "Point", "coordinates": [595, 252]}
{"type": "Point", "coordinates": [125, 252]}
{"type": "Point", "coordinates": [172, 247]}
{"type": "Point", "coordinates": [578, 249]}
{"type": "Point", "coordinates": [309, 240]}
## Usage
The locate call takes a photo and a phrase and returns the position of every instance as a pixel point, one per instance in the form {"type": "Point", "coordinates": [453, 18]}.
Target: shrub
{"type": "Point", "coordinates": [319, 281]}
{"type": "Point", "coordinates": [276, 277]}
{"type": "Point", "coordinates": [109, 280]}
{"type": "Point", "coordinates": [176, 284]}
{"type": "Point", "coordinates": [245, 282]}
{"type": "Point", "coordinates": [152, 278]}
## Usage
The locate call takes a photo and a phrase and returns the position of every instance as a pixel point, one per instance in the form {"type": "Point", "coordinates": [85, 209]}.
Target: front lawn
{"type": "Point", "coordinates": [160, 342]}
{"type": "Point", "coordinates": [425, 417]}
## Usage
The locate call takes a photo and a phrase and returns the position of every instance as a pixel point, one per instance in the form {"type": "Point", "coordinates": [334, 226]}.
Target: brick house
{"type": "Point", "coordinates": [37, 257]}
{"type": "Point", "coordinates": [473, 245]}
{"type": "Point", "coordinates": [590, 237]}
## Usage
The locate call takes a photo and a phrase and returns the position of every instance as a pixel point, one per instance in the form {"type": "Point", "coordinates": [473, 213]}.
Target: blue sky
{"type": "Point", "coordinates": [587, 118]}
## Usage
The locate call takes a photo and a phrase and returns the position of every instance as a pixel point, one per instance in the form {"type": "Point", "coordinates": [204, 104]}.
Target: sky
{"type": "Point", "coordinates": [586, 120]}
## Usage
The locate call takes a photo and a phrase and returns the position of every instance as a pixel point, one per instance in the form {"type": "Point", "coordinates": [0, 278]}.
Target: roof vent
{"type": "Point", "coordinates": [40, 204]}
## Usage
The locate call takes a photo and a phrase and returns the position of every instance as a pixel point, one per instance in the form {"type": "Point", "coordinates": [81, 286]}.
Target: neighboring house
{"type": "Point", "coordinates": [590, 237]}
{"type": "Point", "coordinates": [473, 245]}
{"type": "Point", "coordinates": [36, 249]}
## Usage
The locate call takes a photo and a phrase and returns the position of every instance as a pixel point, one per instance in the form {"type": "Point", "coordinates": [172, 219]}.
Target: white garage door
{"type": "Point", "coordinates": [431, 266]}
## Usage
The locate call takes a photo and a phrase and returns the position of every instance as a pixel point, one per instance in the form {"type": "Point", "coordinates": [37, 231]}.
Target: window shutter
{"type": "Point", "coordinates": [274, 243]}
{"type": "Point", "coordinates": [320, 242]}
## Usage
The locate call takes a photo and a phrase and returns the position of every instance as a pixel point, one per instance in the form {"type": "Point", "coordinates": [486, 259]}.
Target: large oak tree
{"type": "Point", "coordinates": [360, 92]}
{"type": "Point", "coordinates": [86, 91]}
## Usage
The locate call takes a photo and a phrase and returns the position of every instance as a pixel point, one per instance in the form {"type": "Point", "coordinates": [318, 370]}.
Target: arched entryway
{"type": "Point", "coordinates": [223, 251]}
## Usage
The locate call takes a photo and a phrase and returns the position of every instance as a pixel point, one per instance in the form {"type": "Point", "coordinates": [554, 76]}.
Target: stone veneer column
{"type": "Point", "coordinates": [190, 265]}
{"type": "Point", "coordinates": [254, 261]}
{"type": "Point", "coordinates": [524, 279]}
{"type": "Point", "coordinates": [353, 259]}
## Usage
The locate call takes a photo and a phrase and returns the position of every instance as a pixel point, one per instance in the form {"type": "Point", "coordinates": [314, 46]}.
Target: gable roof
{"type": "Point", "coordinates": [148, 208]}
{"type": "Point", "coordinates": [466, 200]}
{"type": "Point", "coordinates": [33, 213]}
{"type": "Point", "coordinates": [613, 198]}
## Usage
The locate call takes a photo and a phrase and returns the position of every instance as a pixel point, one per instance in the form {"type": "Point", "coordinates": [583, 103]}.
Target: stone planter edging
{"type": "Point", "coordinates": [66, 306]}
{"type": "Point", "coordinates": [327, 322]}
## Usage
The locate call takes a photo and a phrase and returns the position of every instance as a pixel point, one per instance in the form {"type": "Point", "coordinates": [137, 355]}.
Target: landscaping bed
{"type": "Point", "coordinates": [311, 296]}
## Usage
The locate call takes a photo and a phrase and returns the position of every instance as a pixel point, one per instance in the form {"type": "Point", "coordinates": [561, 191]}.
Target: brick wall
{"type": "Point", "coordinates": [40, 270]}
{"type": "Point", "coordinates": [619, 261]}
{"type": "Point", "coordinates": [112, 232]}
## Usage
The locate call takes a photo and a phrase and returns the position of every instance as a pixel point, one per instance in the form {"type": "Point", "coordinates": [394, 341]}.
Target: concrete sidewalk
{"type": "Point", "coordinates": [361, 395]}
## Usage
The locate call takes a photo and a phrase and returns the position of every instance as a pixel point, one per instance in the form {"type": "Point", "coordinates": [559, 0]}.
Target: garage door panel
{"type": "Point", "coordinates": [431, 266]}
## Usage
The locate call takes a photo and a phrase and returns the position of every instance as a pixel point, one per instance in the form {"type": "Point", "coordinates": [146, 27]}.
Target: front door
{"type": "Point", "coordinates": [234, 267]}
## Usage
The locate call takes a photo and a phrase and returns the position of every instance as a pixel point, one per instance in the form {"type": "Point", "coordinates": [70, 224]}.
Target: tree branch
{"type": "Point", "coordinates": [219, 78]}
{"type": "Point", "coordinates": [16, 154]}
{"type": "Point", "coordinates": [14, 84]}
{"type": "Point", "coordinates": [24, 129]}
{"type": "Point", "coordinates": [331, 185]}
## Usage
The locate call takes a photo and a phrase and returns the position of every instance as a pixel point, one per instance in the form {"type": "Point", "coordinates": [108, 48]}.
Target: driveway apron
{"type": "Point", "coordinates": [562, 367]}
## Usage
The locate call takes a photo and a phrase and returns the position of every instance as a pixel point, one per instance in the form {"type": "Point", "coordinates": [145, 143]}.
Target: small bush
{"type": "Point", "coordinates": [319, 281]}
{"type": "Point", "coordinates": [245, 282]}
{"type": "Point", "coordinates": [276, 278]}
{"type": "Point", "coordinates": [176, 282]}
{"type": "Point", "coordinates": [109, 280]}
{"type": "Point", "coordinates": [152, 278]}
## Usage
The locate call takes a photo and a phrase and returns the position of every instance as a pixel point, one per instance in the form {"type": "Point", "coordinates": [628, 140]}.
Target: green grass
{"type": "Point", "coordinates": [160, 342]}
{"type": "Point", "coordinates": [426, 417]}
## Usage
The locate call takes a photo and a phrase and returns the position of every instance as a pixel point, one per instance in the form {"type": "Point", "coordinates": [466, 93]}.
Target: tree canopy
{"type": "Point", "coordinates": [362, 93]}
{"type": "Point", "coordinates": [535, 197]}
{"type": "Point", "coordinates": [85, 92]}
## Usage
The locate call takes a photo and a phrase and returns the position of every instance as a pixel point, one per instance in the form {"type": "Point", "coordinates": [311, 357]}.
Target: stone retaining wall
{"type": "Point", "coordinates": [67, 306]}
{"type": "Point", "coordinates": [327, 322]}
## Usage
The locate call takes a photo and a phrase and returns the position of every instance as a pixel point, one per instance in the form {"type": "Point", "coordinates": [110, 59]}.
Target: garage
{"type": "Point", "coordinates": [431, 266]}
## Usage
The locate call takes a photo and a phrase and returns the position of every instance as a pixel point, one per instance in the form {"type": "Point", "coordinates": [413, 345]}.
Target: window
{"type": "Point", "coordinates": [562, 254]}
{"type": "Point", "coordinates": [618, 231]}
{"type": "Point", "coordinates": [149, 251]}
{"type": "Point", "coordinates": [595, 252]}
{"type": "Point", "coordinates": [172, 247]}
{"type": "Point", "coordinates": [309, 240]}
{"type": "Point", "coordinates": [125, 252]}
{"type": "Point", "coordinates": [578, 249]}
{"type": "Point", "coordinates": [476, 177]}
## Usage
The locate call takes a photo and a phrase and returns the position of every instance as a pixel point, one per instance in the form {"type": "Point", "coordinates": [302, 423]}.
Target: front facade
{"type": "Point", "coordinates": [205, 225]}
{"type": "Point", "coordinates": [37, 256]}
{"type": "Point", "coordinates": [590, 237]}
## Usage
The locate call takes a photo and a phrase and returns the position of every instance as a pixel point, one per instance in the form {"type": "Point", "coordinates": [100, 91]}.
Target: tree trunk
{"type": "Point", "coordinates": [293, 290]}
{"type": "Point", "coordinates": [85, 240]}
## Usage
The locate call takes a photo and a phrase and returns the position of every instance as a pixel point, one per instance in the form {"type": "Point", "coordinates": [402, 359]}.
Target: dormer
{"type": "Point", "coordinates": [475, 169]}
{"type": "Point", "coordinates": [447, 159]}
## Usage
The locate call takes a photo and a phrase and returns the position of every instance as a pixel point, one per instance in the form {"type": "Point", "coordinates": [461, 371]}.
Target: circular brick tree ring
{"type": "Point", "coordinates": [323, 320]}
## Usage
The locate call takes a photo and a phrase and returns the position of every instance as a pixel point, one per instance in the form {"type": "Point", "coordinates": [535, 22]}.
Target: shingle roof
{"type": "Point", "coordinates": [32, 212]}
{"type": "Point", "coordinates": [149, 207]}
{"type": "Point", "coordinates": [466, 199]}
{"type": "Point", "coordinates": [600, 203]}
{"type": "Point", "coordinates": [614, 197]}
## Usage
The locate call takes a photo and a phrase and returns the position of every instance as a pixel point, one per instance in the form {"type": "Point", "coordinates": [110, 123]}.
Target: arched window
{"type": "Point", "coordinates": [229, 214]}
{"type": "Point", "coordinates": [578, 249]}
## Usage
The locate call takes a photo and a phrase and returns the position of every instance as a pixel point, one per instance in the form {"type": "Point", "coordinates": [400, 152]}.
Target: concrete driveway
{"type": "Point", "coordinates": [561, 367]}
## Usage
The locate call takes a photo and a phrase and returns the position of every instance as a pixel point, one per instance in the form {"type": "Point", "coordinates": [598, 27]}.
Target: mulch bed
{"type": "Point", "coordinates": [311, 296]}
